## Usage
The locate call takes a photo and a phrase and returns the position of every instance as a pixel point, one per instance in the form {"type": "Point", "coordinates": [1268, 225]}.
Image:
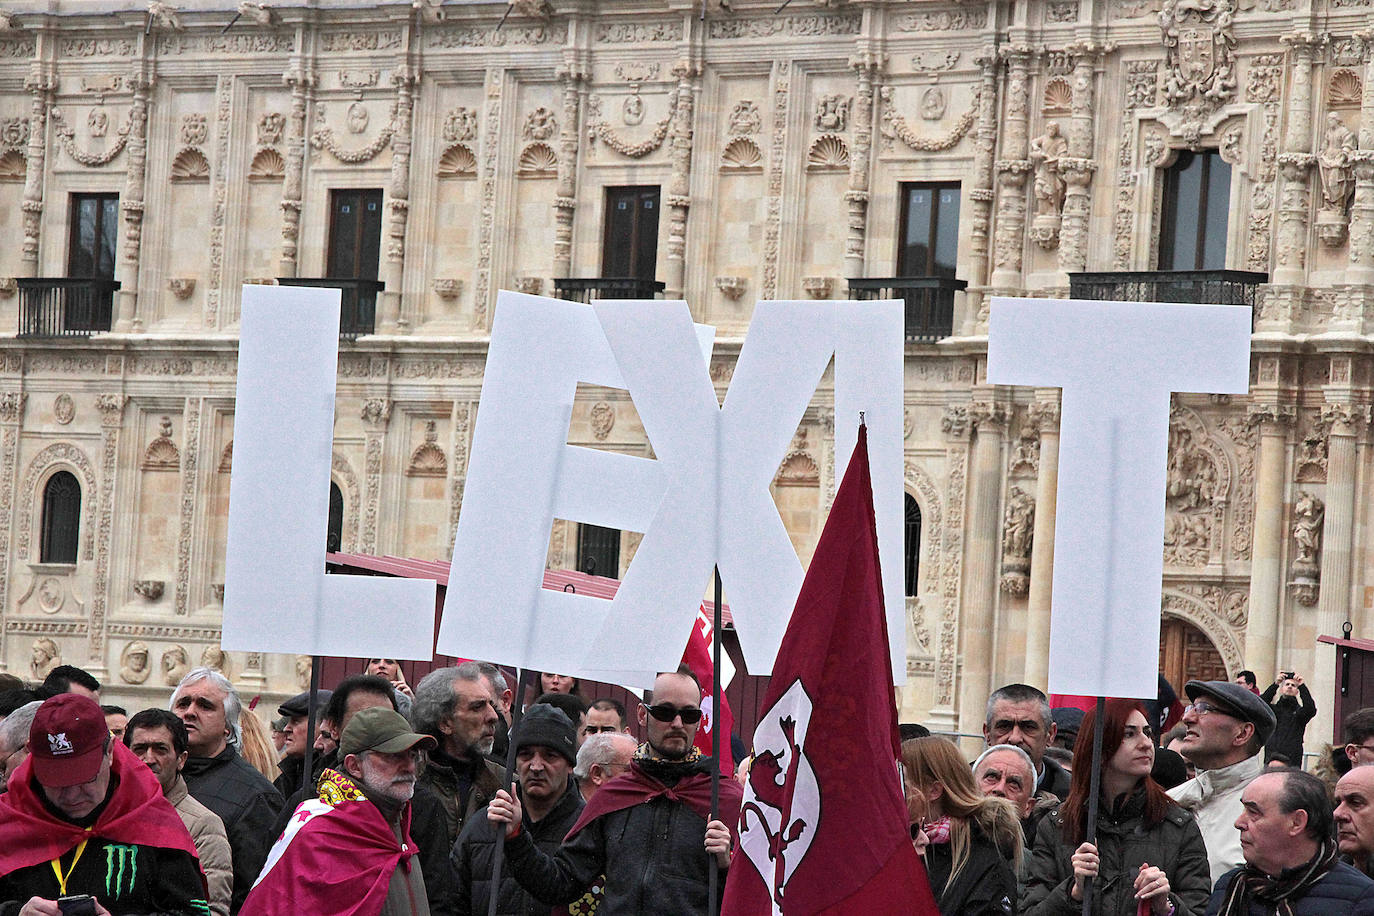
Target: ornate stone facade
{"type": "Point", "coordinates": [780, 143]}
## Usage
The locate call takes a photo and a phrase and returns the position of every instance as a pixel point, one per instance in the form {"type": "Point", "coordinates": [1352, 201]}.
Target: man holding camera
{"type": "Point", "coordinates": [1293, 709]}
{"type": "Point", "coordinates": [84, 828]}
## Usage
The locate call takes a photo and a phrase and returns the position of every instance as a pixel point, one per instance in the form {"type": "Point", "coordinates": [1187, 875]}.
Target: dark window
{"type": "Point", "coordinates": [61, 519]}
{"type": "Point", "coordinates": [355, 234]}
{"type": "Point", "coordinates": [929, 231]}
{"type": "Point", "coordinates": [1197, 200]}
{"type": "Point", "coordinates": [598, 551]}
{"type": "Point", "coordinates": [333, 540]}
{"type": "Point", "coordinates": [94, 236]}
{"type": "Point", "coordinates": [630, 246]}
{"type": "Point", "coordinates": [913, 543]}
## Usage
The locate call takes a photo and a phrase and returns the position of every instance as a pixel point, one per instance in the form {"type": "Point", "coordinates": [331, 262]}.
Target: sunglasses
{"type": "Point", "coordinates": [666, 713]}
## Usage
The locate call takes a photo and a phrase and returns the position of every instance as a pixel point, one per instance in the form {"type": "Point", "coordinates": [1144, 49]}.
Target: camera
{"type": "Point", "coordinates": [77, 905]}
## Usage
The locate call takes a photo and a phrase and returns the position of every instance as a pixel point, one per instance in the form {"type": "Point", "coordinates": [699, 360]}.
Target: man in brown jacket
{"type": "Point", "coordinates": [158, 738]}
{"type": "Point", "coordinates": [455, 706]}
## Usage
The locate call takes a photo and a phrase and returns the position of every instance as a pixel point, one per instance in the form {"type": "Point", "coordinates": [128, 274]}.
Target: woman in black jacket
{"type": "Point", "coordinates": [972, 844]}
{"type": "Point", "coordinates": [1293, 708]}
{"type": "Point", "coordinates": [1149, 855]}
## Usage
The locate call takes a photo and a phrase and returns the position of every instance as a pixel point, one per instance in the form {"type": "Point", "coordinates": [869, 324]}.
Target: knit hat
{"type": "Point", "coordinates": [545, 726]}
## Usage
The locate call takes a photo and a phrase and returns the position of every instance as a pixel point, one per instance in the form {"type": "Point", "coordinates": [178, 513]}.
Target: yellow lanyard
{"type": "Point", "coordinates": [57, 870]}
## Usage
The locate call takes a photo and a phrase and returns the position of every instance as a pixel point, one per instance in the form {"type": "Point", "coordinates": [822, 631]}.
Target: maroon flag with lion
{"type": "Point", "coordinates": [823, 827]}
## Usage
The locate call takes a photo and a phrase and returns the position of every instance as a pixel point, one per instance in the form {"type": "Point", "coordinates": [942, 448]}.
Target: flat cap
{"type": "Point", "coordinates": [1238, 701]}
{"type": "Point", "coordinates": [300, 703]}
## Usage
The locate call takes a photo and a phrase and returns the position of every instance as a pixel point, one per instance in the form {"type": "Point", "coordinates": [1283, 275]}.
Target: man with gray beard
{"type": "Point", "coordinates": [455, 706]}
{"type": "Point", "coordinates": [350, 850]}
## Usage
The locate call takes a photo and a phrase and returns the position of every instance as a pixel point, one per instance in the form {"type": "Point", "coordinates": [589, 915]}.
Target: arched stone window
{"type": "Point", "coordinates": [913, 543]}
{"type": "Point", "coordinates": [61, 519]}
{"type": "Point", "coordinates": [334, 537]}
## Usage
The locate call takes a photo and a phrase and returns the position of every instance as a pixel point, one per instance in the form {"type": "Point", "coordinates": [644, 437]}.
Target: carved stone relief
{"type": "Point", "coordinates": [832, 113]}
{"type": "Point", "coordinates": [133, 663]}
{"type": "Point", "coordinates": [63, 409]}
{"type": "Point", "coordinates": [1335, 165]}
{"type": "Point", "coordinates": [602, 416]}
{"type": "Point", "coordinates": [745, 119]}
{"type": "Point", "coordinates": [428, 459]}
{"type": "Point", "coordinates": [45, 657]}
{"type": "Point", "coordinates": [176, 664]}
{"type": "Point", "coordinates": [1308, 513]}
{"type": "Point", "coordinates": [1018, 523]}
{"type": "Point", "coordinates": [271, 127]}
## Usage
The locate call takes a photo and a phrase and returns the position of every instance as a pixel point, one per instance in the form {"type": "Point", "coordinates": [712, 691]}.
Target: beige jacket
{"type": "Point", "coordinates": [212, 845]}
{"type": "Point", "coordinates": [1213, 797]}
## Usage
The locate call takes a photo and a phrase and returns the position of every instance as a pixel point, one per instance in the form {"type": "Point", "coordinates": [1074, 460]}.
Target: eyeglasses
{"type": "Point", "coordinates": [1362, 747]}
{"type": "Point", "coordinates": [1202, 708]}
{"type": "Point", "coordinates": [664, 712]}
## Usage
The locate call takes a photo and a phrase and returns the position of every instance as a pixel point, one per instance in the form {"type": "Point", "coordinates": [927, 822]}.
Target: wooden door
{"type": "Point", "coordinates": [1186, 654]}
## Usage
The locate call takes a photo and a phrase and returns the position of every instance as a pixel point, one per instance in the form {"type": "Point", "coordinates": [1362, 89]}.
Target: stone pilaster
{"type": "Point", "coordinates": [1009, 236]}
{"type": "Point", "coordinates": [1266, 570]}
{"type": "Point", "coordinates": [679, 201]}
{"type": "Point", "coordinates": [1044, 413]}
{"type": "Point", "coordinates": [111, 407]}
{"type": "Point", "coordinates": [1362, 220]}
{"type": "Point", "coordinates": [131, 202]}
{"type": "Point", "coordinates": [867, 66]}
{"type": "Point", "coordinates": [11, 420]}
{"type": "Point", "coordinates": [390, 318]}
{"type": "Point", "coordinates": [300, 81]}
{"type": "Point", "coordinates": [1295, 164]}
{"type": "Point", "coordinates": [376, 413]}
{"type": "Point", "coordinates": [981, 194]}
{"type": "Point", "coordinates": [41, 83]}
{"type": "Point", "coordinates": [573, 77]}
{"type": "Point", "coordinates": [1073, 227]}
{"type": "Point", "coordinates": [977, 620]}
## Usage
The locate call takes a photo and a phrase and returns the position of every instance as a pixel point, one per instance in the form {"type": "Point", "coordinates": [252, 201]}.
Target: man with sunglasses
{"type": "Point", "coordinates": [648, 830]}
{"type": "Point", "coordinates": [1225, 729]}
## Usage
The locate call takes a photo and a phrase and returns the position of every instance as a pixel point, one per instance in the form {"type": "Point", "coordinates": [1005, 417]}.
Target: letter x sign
{"type": "Point", "coordinates": [702, 501]}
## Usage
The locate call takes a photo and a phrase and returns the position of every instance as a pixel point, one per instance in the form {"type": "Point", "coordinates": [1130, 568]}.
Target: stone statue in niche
{"type": "Point", "coordinates": [1335, 164]}
{"type": "Point", "coordinates": [1018, 523]}
{"type": "Point", "coordinates": [133, 663]}
{"type": "Point", "coordinates": [1308, 513]}
{"type": "Point", "coordinates": [1045, 153]}
{"type": "Point", "coordinates": [175, 665]}
{"type": "Point", "coordinates": [45, 658]}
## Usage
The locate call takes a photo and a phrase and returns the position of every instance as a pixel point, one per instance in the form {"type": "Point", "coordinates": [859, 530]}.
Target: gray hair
{"type": "Point", "coordinates": [1019, 693]}
{"type": "Point", "coordinates": [14, 730]}
{"type": "Point", "coordinates": [494, 677]}
{"type": "Point", "coordinates": [435, 698]}
{"type": "Point", "coordinates": [599, 750]}
{"type": "Point", "coordinates": [1013, 749]}
{"type": "Point", "coordinates": [233, 706]}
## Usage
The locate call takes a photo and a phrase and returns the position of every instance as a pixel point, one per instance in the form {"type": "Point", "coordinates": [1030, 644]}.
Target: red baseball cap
{"type": "Point", "coordinates": [67, 740]}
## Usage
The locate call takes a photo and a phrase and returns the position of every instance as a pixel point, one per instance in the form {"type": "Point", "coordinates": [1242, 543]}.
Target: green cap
{"type": "Point", "coordinates": [382, 729]}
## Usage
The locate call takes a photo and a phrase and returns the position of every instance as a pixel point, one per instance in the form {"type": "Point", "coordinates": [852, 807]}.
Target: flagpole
{"type": "Point", "coordinates": [1094, 787]}
{"type": "Point", "coordinates": [713, 866]}
{"type": "Point", "coordinates": [500, 849]}
{"type": "Point", "coordinates": [307, 778]}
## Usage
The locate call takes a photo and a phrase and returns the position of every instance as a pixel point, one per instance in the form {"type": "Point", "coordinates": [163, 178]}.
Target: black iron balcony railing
{"type": "Point", "coordinates": [357, 304]}
{"type": "Point", "coordinates": [1204, 287]}
{"type": "Point", "coordinates": [65, 306]}
{"type": "Point", "coordinates": [588, 288]}
{"type": "Point", "coordinates": [929, 302]}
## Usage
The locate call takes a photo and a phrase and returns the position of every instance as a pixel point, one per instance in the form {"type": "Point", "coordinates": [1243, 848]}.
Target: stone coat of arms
{"type": "Point", "coordinates": [1201, 43]}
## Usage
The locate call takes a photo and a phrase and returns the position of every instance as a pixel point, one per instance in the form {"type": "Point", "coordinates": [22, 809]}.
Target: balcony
{"type": "Point", "coordinates": [1203, 287]}
{"type": "Point", "coordinates": [65, 306]}
{"type": "Point", "coordinates": [929, 302]}
{"type": "Point", "coordinates": [586, 289]}
{"type": "Point", "coordinates": [357, 304]}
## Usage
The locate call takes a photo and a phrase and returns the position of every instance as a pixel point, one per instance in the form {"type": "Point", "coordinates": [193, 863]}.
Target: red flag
{"type": "Point", "coordinates": [698, 658]}
{"type": "Point", "coordinates": [823, 827]}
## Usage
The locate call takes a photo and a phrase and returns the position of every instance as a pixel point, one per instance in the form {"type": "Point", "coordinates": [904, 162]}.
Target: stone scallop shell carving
{"type": "Point", "coordinates": [828, 152]}
{"type": "Point", "coordinates": [1058, 97]}
{"type": "Point", "coordinates": [741, 154]}
{"type": "Point", "coordinates": [538, 160]}
{"type": "Point", "coordinates": [1344, 89]}
{"type": "Point", "coordinates": [268, 163]}
{"type": "Point", "coordinates": [190, 165]}
{"type": "Point", "coordinates": [457, 162]}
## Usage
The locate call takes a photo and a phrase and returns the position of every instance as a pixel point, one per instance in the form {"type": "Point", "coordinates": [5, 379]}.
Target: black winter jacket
{"type": "Point", "coordinates": [125, 879]}
{"type": "Point", "coordinates": [472, 858]}
{"type": "Point", "coordinates": [246, 802]}
{"type": "Point", "coordinates": [652, 854]}
{"type": "Point", "coordinates": [1292, 717]}
{"type": "Point", "coordinates": [1343, 891]}
{"type": "Point", "coordinates": [1124, 843]}
{"type": "Point", "coordinates": [985, 886]}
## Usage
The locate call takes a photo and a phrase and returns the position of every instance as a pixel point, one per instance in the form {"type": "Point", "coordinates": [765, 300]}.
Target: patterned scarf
{"type": "Point", "coordinates": [1278, 892]}
{"type": "Point", "coordinates": [645, 752]}
{"type": "Point", "coordinates": [336, 788]}
{"type": "Point", "coordinates": [937, 831]}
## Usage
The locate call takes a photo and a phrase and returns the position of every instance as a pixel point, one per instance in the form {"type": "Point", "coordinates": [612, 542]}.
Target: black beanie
{"type": "Point", "coordinates": [545, 726]}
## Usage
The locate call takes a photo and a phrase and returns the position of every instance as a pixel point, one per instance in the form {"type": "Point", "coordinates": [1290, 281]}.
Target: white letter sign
{"type": "Point", "coordinates": [703, 501]}
{"type": "Point", "coordinates": [276, 595]}
{"type": "Point", "coordinates": [1117, 362]}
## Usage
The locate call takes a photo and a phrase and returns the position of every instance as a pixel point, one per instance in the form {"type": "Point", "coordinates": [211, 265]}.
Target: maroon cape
{"type": "Point", "coordinates": [137, 815]}
{"type": "Point", "coordinates": [331, 861]}
{"type": "Point", "coordinates": [634, 787]}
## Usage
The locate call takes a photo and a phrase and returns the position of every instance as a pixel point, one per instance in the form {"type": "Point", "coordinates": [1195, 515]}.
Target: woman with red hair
{"type": "Point", "coordinates": [1149, 857]}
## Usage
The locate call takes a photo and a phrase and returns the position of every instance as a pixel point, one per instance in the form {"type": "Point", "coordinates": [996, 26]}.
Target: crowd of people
{"type": "Point", "coordinates": [406, 806]}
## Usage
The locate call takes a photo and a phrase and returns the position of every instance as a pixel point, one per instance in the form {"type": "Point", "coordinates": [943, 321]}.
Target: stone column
{"type": "Point", "coordinates": [1266, 568]}
{"type": "Point", "coordinates": [679, 200]}
{"type": "Point", "coordinates": [1077, 169]}
{"type": "Point", "coordinates": [1362, 220]}
{"type": "Point", "coordinates": [41, 83]}
{"type": "Point", "coordinates": [573, 76]}
{"type": "Point", "coordinates": [982, 552]}
{"type": "Point", "coordinates": [1333, 605]}
{"type": "Point", "coordinates": [866, 65]}
{"type": "Point", "coordinates": [1044, 413]}
{"type": "Point", "coordinates": [389, 318]}
{"type": "Point", "coordinates": [131, 202]}
{"type": "Point", "coordinates": [300, 82]}
{"type": "Point", "coordinates": [11, 420]}
{"type": "Point", "coordinates": [1010, 232]}
{"type": "Point", "coordinates": [981, 194]}
{"type": "Point", "coordinates": [1295, 165]}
